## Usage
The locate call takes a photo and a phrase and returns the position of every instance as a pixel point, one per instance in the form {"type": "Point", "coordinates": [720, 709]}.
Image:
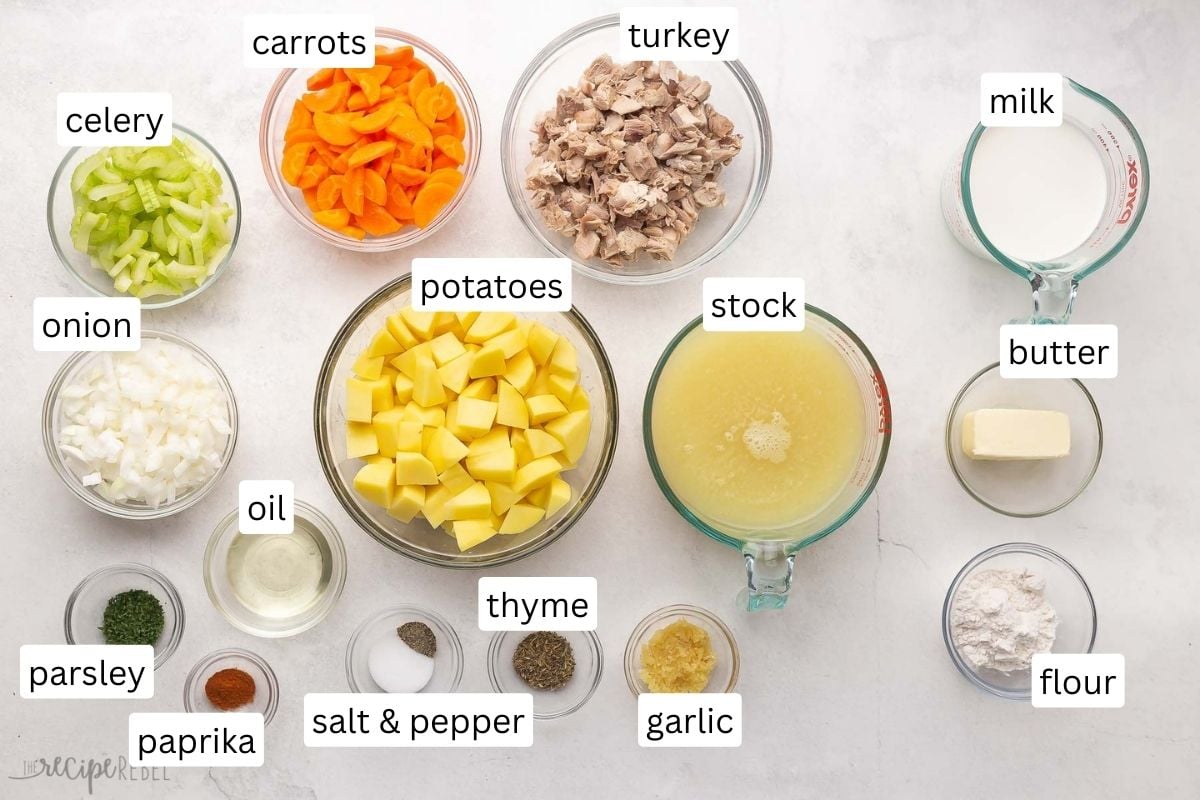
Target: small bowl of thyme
{"type": "Point", "coordinates": [126, 604]}
{"type": "Point", "coordinates": [561, 670]}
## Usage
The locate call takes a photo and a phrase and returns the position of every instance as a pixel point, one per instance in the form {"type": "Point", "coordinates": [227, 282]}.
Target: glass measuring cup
{"type": "Point", "coordinates": [1127, 171]}
{"type": "Point", "coordinates": [770, 555]}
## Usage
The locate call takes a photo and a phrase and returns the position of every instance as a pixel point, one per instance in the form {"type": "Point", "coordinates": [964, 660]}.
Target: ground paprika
{"type": "Point", "coordinates": [229, 689]}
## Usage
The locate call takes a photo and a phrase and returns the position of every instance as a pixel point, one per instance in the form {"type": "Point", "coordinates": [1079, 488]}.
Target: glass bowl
{"type": "Point", "coordinates": [1066, 591]}
{"type": "Point", "coordinates": [225, 598]}
{"type": "Point", "coordinates": [548, 704]}
{"type": "Point", "coordinates": [734, 94]}
{"type": "Point", "coordinates": [266, 686]}
{"type": "Point", "coordinates": [60, 209]}
{"type": "Point", "coordinates": [85, 607]}
{"type": "Point", "coordinates": [417, 539]}
{"type": "Point", "coordinates": [447, 659]}
{"type": "Point", "coordinates": [724, 675]}
{"type": "Point", "coordinates": [52, 426]}
{"type": "Point", "coordinates": [1027, 488]}
{"type": "Point", "coordinates": [292, 83]}
{"type": "Point", "coordinates": [769, 554]}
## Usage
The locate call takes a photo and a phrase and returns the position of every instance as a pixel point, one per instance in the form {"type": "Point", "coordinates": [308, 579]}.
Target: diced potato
{"type": "Point", "coordinates": [564, 360]}
{"type": "Point", "coordinates": [489, 325]}
{"type": "Point", "coordinates": [520, 371]}
{"type": "Point", "coordinates": [520, 446]}
{"type": "Point", "coordinates": [406, 502]}
{"type": "Point", "coordinates": [471, 503]}
{"type": "Point", "coordinates": [446, 348]}
{"type": "Point", "coordinates": [367, 367]}
{"type": "Point", "coordinates": [521, 518]}
{"type": "Point", "coordinates": [455, 478]}
{"type": "Point", "coordinates": [360, 440]}
{"type": "Point", "coordinates": [434, 509]}
{"type": "Point", "coordinates": [382, 396]}
{"type": "Point", "coordinates": [386, 424]}
{"type": "Point", "coordinates": [376, 482]}
{"type": "Point", "coordinates": [454, 374]}
{"type": "Point", "coordinates": [476, 416]}
{"type": "Point", "coordinates": [498, 465]}
{"type": "Point", "coordinates": [472, 532]}
{"type": "Point", "coordinates": [541, 342]}
{"type": "Point", "coordinates": [542, 443]}
{"type": "Point", "coordinates": [444, 450]}
{"type": "Point", "coordinates": [544, 407]}
{"type": "Point", "coordinates": [563, 388]}
{"type": "Point", "coordinates": [466, 319]}
{"type": "Point", "coordinates": [419, 322]}
{"type": "Point", "coordinates": [358, 400]}
{"type": "Point", "coordinates": [427, 384]}
{"type": "Point", "coordinates": [541, 383]}
{"type": "Point", "coordinates": [503, 496]}
{"type": "Point", "coordinates": [414, 468]}
{"type": "Point", "coordinates": [384, 344]}
{"type": "Point", "coordinates": [400, 332]}
{"type": "Point", "coordinates": [560, 495]}
{"type": "Point", "coordinates": [407, 361]}
{"type": "Point", "coordinates": [496, 439]}
{"type": "Point", "coordinates": [572, 430]}
{"type": "Point", "coordinates": [444, 321]}
{"type": "Point", "coordinates": [403, 386]}
{"type": "Point", "coordinates": [481, 389]}
{"type": "Point", "coordinates": [408, 436]}
{"type": "Point", "coordinates": [452, 422]}
{"type": "Point", "coordinates": [435, 416]}
{"type": "Point", "coordinates": [510, 342]}
{"type": "Point", "coordinates": [579, 400]}
{"type": "Point", "coordinates": [512, 410]}
{"type": "Point", "coordinates": [487, 362]}
{"type": "Point", "coordinates": [536, 473]}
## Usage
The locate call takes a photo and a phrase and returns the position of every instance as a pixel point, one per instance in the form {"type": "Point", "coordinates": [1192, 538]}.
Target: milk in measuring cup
{"type": "Point", "coordinates": [1038, 193]}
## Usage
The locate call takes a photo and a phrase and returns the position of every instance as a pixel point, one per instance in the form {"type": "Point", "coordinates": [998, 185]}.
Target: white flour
{"type": "Point", "coordinates": [1001, 618]}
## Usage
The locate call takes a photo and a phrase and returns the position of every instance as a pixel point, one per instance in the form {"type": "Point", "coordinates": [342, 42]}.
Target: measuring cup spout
{"type": "Point", "coordinates": [769, 569]}
{"type": "Point", "coordinates": [1053, 297]}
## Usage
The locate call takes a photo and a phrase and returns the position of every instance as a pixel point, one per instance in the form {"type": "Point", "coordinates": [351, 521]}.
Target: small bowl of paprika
{"type": "Point", "coordinates": [232, 680]}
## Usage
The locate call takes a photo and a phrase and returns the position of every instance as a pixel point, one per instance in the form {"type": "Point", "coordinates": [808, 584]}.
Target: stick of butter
{"type": "Point", "coordinates": [1016, 434]}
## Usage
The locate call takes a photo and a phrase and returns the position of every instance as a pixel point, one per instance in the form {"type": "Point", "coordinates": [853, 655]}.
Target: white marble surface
{"type": "Point", "coordinates": [849, 692]}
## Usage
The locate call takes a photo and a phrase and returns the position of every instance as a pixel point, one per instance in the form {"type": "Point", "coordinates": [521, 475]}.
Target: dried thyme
{"type": "Point", "coordinates": [544, 660]}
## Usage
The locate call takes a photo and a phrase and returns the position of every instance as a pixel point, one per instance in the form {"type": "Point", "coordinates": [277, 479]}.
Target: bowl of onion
{"type": "Point", "coordinates": [143, 434]}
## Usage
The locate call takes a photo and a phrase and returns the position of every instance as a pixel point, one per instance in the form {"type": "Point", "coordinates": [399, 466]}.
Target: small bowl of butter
{"type": "Point", "coordinates": [1023, 447]}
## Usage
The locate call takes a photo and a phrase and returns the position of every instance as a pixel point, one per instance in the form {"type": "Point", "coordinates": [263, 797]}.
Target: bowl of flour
{"type": "Point", "coordinates": [1010, 603]}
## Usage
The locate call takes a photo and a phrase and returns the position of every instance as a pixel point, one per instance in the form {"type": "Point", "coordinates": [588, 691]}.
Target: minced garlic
{"type": "Point", "coordinates": [678, 658]}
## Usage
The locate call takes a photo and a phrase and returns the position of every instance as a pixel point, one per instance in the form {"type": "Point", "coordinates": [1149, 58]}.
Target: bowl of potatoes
{"type": "Point", "coordinates": [464, 440]}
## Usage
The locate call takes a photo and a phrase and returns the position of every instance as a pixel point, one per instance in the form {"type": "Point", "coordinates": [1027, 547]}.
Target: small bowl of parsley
{"type": "Point", "coordinates": [126, 604]}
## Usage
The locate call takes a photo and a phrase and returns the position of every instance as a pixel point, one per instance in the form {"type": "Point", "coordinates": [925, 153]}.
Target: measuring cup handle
{"type": "Point", "coordinates": [1053, 298]}
{"type": "Point", "coordinates": [769, 569]}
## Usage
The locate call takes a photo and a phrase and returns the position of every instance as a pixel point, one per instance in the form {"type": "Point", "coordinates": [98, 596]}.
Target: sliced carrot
{"type": "Point", "coordinates": [398, 204]}
{"type": "Point", "coordinates": [411, 130]}
{"type": "Point", "coordinates": [396, 57]}
{"type": "Point", "coordinates": [328, 99]}
{"type": "Point", "coordinates": [451, 147]}
{"type": "Point", "coordinates": [310, 199]}
{"type": "Point", "coordinates": [376, 120]}
{"type": "Point", "coordinates": [458, 124]}
{"type": "Point", "coordinates": [419, 158]}
{"type": "Point", "coordinates": [368, 153]}
{"type": "Point", "coordinates": [295, 159]}
{"type": "Point", "coordinates": [312, 176]}
{"type": "Point", "coordinates": [301, 118]}
{"type": "Point", "coordinates": [421, 80]}
{"type": "Point", "coordinates": [333, 218]}
{"type": "Point", "coordinates": [354, 190]}
{"type": "Point", "coordinates": [374, 187]}
{"type": "Point", "coordinates": [300, 136]}
{"type": "Point", "coordinates": [452, 177]}
{"type": "Point", "coordinates": [335, 128]}
{"type": "Point", "coordinates": [443, 161]}
{"type": "Point", "coordinates": [399, 77]}
{"type": "Point", "coordinates": [357, 101]}
{"type": "Point", "coordinates": [320, 79]}
{"type": "Point", "coordinates": [342, 162]}
{"type": "Point", "coordinates": [431, 199]}
{"type": "Point", "coordinates": [383, 164]}
{"type": "Point", "coordinates": [352, 231]}
{"type": "Point", "coordinates": [436, 102]}
{"type": "Point", "coordinates": [328, 193]}
{"type": "Point", "coordinates": [376, 221]}
{"type": "Point", "coordinates": [408, 176]}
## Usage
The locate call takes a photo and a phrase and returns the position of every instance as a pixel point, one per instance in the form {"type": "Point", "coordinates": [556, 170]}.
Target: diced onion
{"type": "Point", "coordinates": [145, 427]}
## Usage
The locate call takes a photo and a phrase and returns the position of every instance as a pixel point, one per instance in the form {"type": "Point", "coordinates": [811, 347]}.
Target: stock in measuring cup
{"type": "Point", "coordinates": [1056, 203]}
{"type": "Point", "coordinates": [767, 442]}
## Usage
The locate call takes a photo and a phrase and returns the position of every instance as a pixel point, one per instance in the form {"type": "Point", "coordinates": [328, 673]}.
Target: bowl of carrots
{"type": "Point", "coordinates": [372, 159]}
